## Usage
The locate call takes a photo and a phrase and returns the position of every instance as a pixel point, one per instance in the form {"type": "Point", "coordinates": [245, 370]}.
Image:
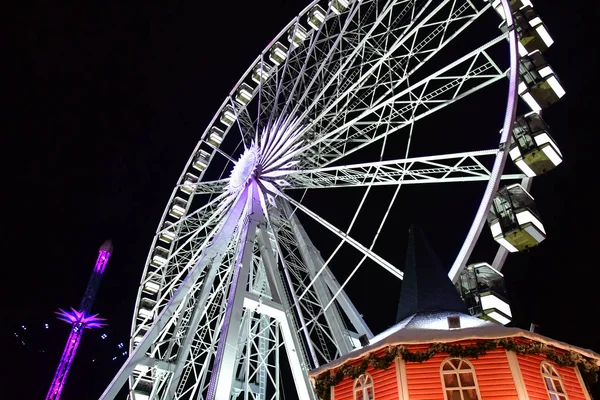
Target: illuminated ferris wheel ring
{"type": "Point", "coordinates": [349, 76]}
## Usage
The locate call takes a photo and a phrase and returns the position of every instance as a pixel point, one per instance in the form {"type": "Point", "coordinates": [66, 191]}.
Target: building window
{"type": "Point", "coordinates": [363, 388]}
{"type": "Point", "coordinates": [553, 382]}
{"type": "Point", "coordinates": [459, 381]}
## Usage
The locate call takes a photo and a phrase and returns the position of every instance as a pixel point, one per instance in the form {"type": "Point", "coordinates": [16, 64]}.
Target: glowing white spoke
{"type": "Point", "coordinates": [394, 115]}
{"type": "Point", "coordinates": [211, 187]}
{"type": "Point", "coordinates": [461, 167]}
{"type": "Point", "coordinates": [354, 243]}
{"type": "Point", "coordinates": [412, 52]}
{"type": "Point", "coordinates": [354, 54]}
{"type": "Point", "coordinates": [324, 62]}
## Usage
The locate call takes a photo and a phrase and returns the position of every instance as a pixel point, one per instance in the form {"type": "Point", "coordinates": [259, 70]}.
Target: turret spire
{"type": "Point", "coordinates": [426, 286]}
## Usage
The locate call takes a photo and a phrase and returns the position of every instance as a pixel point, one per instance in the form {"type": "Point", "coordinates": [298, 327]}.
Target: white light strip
{"type": "Point", "coordinates": [534, 233]}
{"type": "Point", "coordinates": [557, 87]}
{"type": "Point", "coordinates": [499, 317]}
{"type": "Point", "coordinates": [489, 301]}
{"type": "Point", "coordinates": [543, 32]}
{"type": "Point", "coordinates": [525, 168]}
{"type": "Point", "coordinates": [496, 230]}
{"type": "Point", "coordinates": [515, 153]}
{"type": "Point", "coordinates": [526, 216]}
{"type": "Point", "coordinates": [543, 138]}
{"type": "Point", "coordinates": [531, 101]}
{"type": "Point", "coordinates": [552, 155]}
{"type": "Point", "coordinates": [506, 245]}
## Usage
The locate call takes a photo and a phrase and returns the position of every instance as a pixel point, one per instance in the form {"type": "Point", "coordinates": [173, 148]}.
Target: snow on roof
{"type": "Point", "coordinates": [419, 335]}
{"type": "Point", "coordinates": [431, 320]}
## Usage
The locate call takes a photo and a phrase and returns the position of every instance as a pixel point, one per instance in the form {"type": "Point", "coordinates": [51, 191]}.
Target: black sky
{"type": "Point", "coordinates": [103, 106]}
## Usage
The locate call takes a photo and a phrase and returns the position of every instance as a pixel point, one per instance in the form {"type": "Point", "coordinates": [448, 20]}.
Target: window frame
{"type": "Point", "coordinates": [366, 385]}
{"type": "Point", "coordinates": [455, 371]}
{"type": "Point", "coordinates": [553, 376]}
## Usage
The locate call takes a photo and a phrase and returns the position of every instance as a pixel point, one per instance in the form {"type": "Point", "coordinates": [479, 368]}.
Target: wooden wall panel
{"type": "Point", "coordinates": [534, 383]}
{"type": "Point", "coordinates": [423, 379]}
{"type": "Point", "coordinates": [494, 377]}
{"type": "Point", "coordinates": [385, 383]}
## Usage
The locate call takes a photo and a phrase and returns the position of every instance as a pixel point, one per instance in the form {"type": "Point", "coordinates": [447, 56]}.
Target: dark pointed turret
{"type": "Point", "coordinates": [426, 286]}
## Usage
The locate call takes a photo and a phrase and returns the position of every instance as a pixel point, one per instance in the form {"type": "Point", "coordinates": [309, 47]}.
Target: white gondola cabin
{"type": "Point", "coordinates": [167, 233]}
{"type": "Point", "coordinates": [215, 136]}
{"type": "Point", "coordinates": [201, 160]}
{"type": "Point", "coordinates": [278, 53]}
{"type": "Point", "coordinates": [189, 183]}
{"type": "Point", "coordinates": [178, 207]}
{"type": "Point", "coordinates": [159, 257]}
{"type": "Point", "coordinates": [532, 148]}
{"type": "Point", "coordinates": [150, 288]}
{"type": "Point", "coordinates": [146, 308]}
{"type": "Point", "coordinates": [228, 115]}
{"type": "Point", "coordinates": [143, 386]}
{"type": "Point", "coordinates": [297, 35]}
{"type": "Point", "coordinates": [141, 331]}
{"type": "Point", "coordinates": [538, 87]}
{"type": "Point", "coordinates": [531, 31]}
{"type": "Point", "coordinates": [261, 72]}
{"type": "Point", "coordinates": [339, 6]}
{"type": "Point", "coordinates": [243, 94]}
{"type": "Point", "coordinates": [514, 221]}
{"type": "Point", "coordinates": [315, 17]}
{"type": "Point", "coordinates": [482, 289]}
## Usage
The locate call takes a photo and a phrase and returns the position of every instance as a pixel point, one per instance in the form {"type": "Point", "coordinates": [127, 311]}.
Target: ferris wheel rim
{"type": "Point", "coordinates": [491, 185]}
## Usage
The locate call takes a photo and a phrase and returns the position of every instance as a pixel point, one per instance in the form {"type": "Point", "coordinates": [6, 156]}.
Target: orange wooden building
{"type": "Point", "coordinates": [482, 362]}
{"type": "Point", "coordinates": [437, 351]}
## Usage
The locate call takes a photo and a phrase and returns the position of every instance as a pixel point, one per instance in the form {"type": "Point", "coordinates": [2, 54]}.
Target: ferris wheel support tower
{"type": "Point", "coordinates": [79, 319]}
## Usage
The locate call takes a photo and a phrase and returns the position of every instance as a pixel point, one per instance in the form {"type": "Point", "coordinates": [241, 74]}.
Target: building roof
{"type": "Point", "coordinates": [419, 335]}
{"type": "Point", "coordinates": [426, 286]}
{"type": "Point", "coordinates": [427, 299]}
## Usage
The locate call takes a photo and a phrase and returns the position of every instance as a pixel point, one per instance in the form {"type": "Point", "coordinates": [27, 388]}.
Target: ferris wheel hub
{"type": "Point", "coordinates": [245, 169]}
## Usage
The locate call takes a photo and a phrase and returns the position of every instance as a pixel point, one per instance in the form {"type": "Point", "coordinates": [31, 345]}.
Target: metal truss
{"type": "Point", "coordinates": [459, 167]}
{"type": "Point", "coordinates": [233, 287]}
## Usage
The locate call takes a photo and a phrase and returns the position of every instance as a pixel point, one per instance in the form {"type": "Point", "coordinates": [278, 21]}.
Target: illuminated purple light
{"type": "Point", "coordinates": [81, 318]}
{"type": "Point", "coordinates": [101, 261]}
{"type": "Point", "coordinates": [64, 366]}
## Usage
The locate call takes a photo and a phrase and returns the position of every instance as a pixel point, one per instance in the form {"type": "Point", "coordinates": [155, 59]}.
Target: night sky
{"type": "Point", "coordinates": [103, 107]}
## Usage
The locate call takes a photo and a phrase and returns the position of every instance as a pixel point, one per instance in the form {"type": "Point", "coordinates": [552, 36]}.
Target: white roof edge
{"type": "Point", "coordinates": [420, 336]}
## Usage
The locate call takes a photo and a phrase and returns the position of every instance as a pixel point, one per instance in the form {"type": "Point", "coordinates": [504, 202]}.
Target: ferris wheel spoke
{"type": "Point", "coordinates": [309, 57]}
{"type": "Point", "coordinates": [211, 187]}
{"type": "Point", "coordinates": [346, 238]}
{"type": "Point", "coordinates": [211, 258]}
{"type": "Point", "coordinates": [459, 167]}
{"type": "Point", "coordinates": [351, 55]}
{"type": "Point", "coordinates": [400, 57]}
{"type": "Point", "coordinates": [421, 99]}
{"type": "Point", "coordinates": [194, 231]}
{"type": "Point", "coordinates": [193, 235]}
{"type": "Point", "coordinates": [199, 345]}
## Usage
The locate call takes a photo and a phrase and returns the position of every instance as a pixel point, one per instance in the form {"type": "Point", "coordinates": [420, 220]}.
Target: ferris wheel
{"type": "Point", "coordinates": [234, 285]}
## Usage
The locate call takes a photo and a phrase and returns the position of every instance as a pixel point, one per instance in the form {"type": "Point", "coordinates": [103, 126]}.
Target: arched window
{"type": "Point", "coordinates": [363, 388]}
{"type": "Point", "coordinates": [458, 379]}
{"type": "Point", "coordinates": [553, 382]}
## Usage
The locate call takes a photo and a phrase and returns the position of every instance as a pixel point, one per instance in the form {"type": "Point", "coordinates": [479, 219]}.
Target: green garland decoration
{"type": "Point", "coordinates": [324, 381]}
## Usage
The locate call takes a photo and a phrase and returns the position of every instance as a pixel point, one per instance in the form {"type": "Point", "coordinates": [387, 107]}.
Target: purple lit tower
{"type": "Point", "coordinates": [80, 319]}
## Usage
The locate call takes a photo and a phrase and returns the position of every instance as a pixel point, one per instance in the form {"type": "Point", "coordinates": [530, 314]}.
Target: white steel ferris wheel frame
{"type": "Point", "coordinates": [241, 277]}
